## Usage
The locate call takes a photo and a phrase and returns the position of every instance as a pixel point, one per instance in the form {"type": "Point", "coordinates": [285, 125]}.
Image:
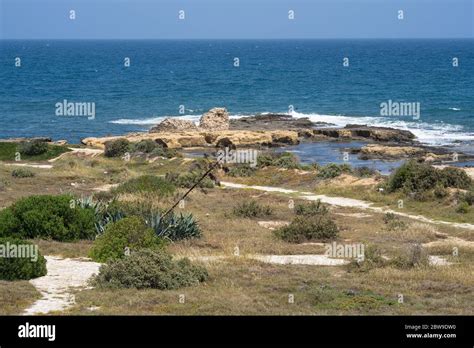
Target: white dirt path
{"type": "Point", "coordinates": [345, 202]}
{"type": "Point", "coordinates": [55, 287]}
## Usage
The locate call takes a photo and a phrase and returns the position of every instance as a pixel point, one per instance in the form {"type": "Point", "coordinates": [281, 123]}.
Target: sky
{"type": "Point", "coordinates": [235, 19]}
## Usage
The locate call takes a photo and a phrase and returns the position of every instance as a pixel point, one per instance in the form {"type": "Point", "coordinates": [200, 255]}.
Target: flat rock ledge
{"type": "Point", "coordinates": [202, 139]}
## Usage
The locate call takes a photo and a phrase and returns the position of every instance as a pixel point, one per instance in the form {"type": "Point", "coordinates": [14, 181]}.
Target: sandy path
{"type": "Point", "coordinates": [346, 202]}
{"type": "Point", "coordinates": [81, 151]}
{"type": "Point", "coordinates": [62, 276]}
{"type": "Point", "coordinates": [30, 165]}
{"type": "Point", "coordinates": [307, 259]}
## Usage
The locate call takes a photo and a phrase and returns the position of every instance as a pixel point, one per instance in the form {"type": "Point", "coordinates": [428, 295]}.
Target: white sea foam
{"type": "Point", "coordinates": [153, 120]}
{"type": "Point", "coordinates": [436, 134]}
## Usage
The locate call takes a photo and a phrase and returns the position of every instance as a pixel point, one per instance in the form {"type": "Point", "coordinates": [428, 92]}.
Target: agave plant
{"type": "Point", "coordinates": [175, 227]}
{"type": "Point", "coordinates": [102, 214]}
{"type": "Point", "coordinates": [88, 203]}
{"type": "Point", "coordinates": [107, 218]}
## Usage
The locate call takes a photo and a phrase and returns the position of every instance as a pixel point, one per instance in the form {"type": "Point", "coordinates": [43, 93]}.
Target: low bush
{"type": "Point", "coordinates": [145, 145]}
{"type": "Point", "coordinates": [150, 269]}
{"type": "Point", "coordinates": [188, 179]}
{"type": "Point", "coordinates": [372, 259]}
{"type": "Point", "coordinates": [241, 170]}
{"type": "Point", "coordinates": [116, 148]}
{"type": "Point", "coordinates": [175, 227]}
{"type": "Point", "coordinates": [129, 232]}
{"type": "Point", "coordinates": [30, 265]}
{"type": "Point", "coordinates": [312, 208]}
{"type": "Point", "coordinates": [364, 172]}
{"type": "Point", "coordinates": [394, 223]}
{"type": "Point", "coordinates": [333, 170]}
{"type": "Point", "coordinates": [414, 256]}
{"type": "Point", "coordinates": [285, 160]}
{"type": "Point", "coordinates": [305, 228]}
{"type": "Point", "coordinates": [33, 148]}
{"type": "Point", "coordinates": [462, 208]}
{"type": "Point", "coordinates": [165, 152]}
{"type": "Point", "coordinates": [440, 192]}
{"type": "Point", "coordinates": [252, 209]}
{"type": "Point", "coordinates": [467, 197]}
{"type": "Point", "coordinates": [48, 217]}
{"type": "Point", "coordinates": [420, 177]}
{"type": "Point", "coordinates": [455, 177]}
{"type": "Point", "coordinates": [147, 183]}
{"type": "Point", "coordinates": [22, 173]}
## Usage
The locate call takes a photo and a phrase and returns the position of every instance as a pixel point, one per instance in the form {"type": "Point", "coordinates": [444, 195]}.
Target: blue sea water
{"type": "Point", "coordinates": [273, 74]}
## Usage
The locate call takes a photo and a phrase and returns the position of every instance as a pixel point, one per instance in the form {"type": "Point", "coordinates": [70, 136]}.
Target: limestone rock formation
{"type": "Point", "coordinates": [174, 125]}
{"type": "Point", "coordinates": [215, 119]}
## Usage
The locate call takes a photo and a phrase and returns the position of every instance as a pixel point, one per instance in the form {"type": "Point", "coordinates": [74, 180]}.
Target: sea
{"type": "Point", "coordinates": [135, 84]}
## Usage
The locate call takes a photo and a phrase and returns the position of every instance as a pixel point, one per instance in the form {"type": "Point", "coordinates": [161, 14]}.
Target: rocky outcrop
{"type": "Point", "coordinates": [211, 138]}
{"type": "Point", "coordinates": [174, 125]}
{"type": "Point", "coordinates": [215, 119]}
{"type": "Point", "coordinates": [383, 151]}
{"type": "Point", "coordinates": [365, 132]}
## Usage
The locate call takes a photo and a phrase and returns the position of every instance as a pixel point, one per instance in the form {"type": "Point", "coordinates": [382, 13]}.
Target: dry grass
{"type": "Point", "coordinates": [16, 296]}
{"type": "Point", "coordinates": [242, 286]}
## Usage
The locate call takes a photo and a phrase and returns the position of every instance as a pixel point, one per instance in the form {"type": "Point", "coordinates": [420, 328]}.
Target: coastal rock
{"type": "Point", "coordinates": [272, 121]}
{"type": "Point", "coordinates": [60, 142]}
{"type": "Point", "coordinates": [215, 119]}
{"type": "Point", "coordinates": [200, 139]}
{"type": "Point", "coordinates": [375, 133]}
{"type": "Point", "coordinates": [174, 125]}
{"type": "Point", "coordinates": [383, 151]}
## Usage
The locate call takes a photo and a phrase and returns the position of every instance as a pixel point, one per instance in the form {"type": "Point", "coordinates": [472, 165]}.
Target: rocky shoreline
{"type": "Point", "coordinates": [216, 129]}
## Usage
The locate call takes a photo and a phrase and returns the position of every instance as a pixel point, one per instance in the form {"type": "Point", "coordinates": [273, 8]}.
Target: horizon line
{"type": "Point", "coordinates": [236, 39]}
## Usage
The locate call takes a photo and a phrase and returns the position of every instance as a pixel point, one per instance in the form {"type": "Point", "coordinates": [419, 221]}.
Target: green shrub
{"type": "Point", "coordinates": [130, 232]}
{"type": "Point", "coordinates": [116, 148]}
{"type": "Point", "coordinates": [372, 259]}
{"type": "Point", "coordinates": [165, 152]}
{"type": "Point", "coordinates": [22, 173]}
{"type": "Point", "coordinates": [175, 227]}
{"type": "Point", "coordinates": [31, 265]}
{"type": "Point", "coordinates": [188, 179]}
{"type": "Point", "coordinates": [145, 145]}
{"type": "Point", "coordinates": [241, 170]}
{"type": "Point", "coordinates": [305, 228]}
{"type": "Point", "coordinates": [333, 170]}
{"type": "Point", "coordinates": [462, 208]}
{"type": "Point", "coordinates": [146, 183]}
{"type": "Point", "coordinates": [420, 177]}
{"type": "Point", "coordinates": [364, 172]}
{"type": "Point", "coordinates": [312, 208]}
{"type": "Point", "coordinates": [33, 148]}
{"type": "Point", "coordinates": [394, 223]}
{"type": "Point", "coordinates": [440, 191]}
{"type": "Point", "coordinates": [150, 269]}
{"type": "Point", "coordinates": [467, 197]}
{"type": "Point", "coordinates": [455, 177]}
{"type": "Point", "coordinates": [252, 209]}
{"type": "Point", "coordinates": [414, 256]}
{"type": "Point", "coordinates": [285, 160]}
{"type": "Point", "coordinates": [265, 159]}
{"type": "Point", "coordinates": [47, 217]}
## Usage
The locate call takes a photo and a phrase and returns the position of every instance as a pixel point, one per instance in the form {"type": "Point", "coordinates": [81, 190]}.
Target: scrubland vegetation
{"type": "Point", "coordinates": [112, 210]}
